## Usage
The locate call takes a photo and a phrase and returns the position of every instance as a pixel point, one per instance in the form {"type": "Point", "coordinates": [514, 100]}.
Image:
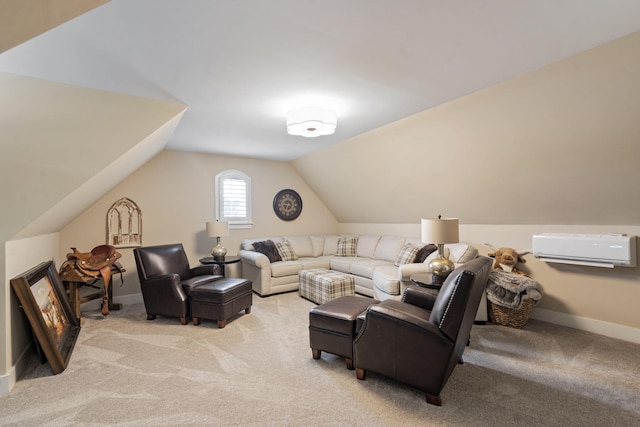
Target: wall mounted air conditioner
{"type": "Point", "coordinates": [598, 250]}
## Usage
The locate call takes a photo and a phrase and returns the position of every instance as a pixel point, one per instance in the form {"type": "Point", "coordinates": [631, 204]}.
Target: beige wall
{"type": "Point", "coordinates": [559, 145]}
{"type": "Point", "coordinates": [175, 192]}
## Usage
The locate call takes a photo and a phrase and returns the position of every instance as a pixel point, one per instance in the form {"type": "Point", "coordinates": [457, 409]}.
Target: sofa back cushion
{"type": "Point", "coordinates": [330, 244]}
{"type": "Point", "coordinates": [388, 248]}
{"type": "Point", "coordinates": [301, 245]}
{"type": "Point", "coordinates": [318, 245]}
{"type": "Point", "coordinates": [367, 245]}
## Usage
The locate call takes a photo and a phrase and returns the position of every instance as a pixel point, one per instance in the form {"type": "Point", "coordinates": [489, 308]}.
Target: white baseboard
{"type": "Point", "coordinates": [612, 330]}
{"type": "Point", "coordinates": [8, 381]}
{"type": "Point", "coordinates": [124, 300]}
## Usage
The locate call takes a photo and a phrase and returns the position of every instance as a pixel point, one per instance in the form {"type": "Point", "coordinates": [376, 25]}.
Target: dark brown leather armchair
{"type": "Point", "coordinates": [166, 280]}
{"type": "Point", "coordinates": [420, 340]}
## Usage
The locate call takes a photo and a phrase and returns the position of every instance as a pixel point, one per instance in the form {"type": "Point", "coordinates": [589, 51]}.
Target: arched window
{"type": "Point", "coordinates": [233, 198]}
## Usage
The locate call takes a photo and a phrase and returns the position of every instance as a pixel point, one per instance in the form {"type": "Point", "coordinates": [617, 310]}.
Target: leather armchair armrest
{"type": "Point", "coordinates": [419, 297]}
{"type": "Point", "coordinates": [206, 270]}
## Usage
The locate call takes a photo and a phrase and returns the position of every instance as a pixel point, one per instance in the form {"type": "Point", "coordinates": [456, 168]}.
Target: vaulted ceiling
{"type": "Point", "coordinates": [239, 65]}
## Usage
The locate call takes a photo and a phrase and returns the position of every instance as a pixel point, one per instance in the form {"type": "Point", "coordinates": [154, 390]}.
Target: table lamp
{"type": "Point", "coordinates": [440, 231]}
{"type": "Point", "coordinates": [218, 229]}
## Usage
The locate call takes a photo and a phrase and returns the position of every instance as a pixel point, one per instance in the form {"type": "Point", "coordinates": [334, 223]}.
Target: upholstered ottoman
{"type": "Point", "coordinates": [321, 285]}
{"type": "Point", "coordinates": [332, 326]}
{"type": "Point", "coordinates": [220, 300]}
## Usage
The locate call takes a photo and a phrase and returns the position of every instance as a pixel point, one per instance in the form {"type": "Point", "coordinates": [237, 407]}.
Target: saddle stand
{"type": "Point", "coordinates": [90, 265]}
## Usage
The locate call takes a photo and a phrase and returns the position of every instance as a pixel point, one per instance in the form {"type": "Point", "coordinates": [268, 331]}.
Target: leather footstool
{"type": "Point", "coordinates": [332, 326]}
{"type": "Point", "coordinates": [220, 300]}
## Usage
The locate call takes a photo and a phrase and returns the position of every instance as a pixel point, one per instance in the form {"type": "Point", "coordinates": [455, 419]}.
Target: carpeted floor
{"type": "Point", "coordinates": [258, 371]}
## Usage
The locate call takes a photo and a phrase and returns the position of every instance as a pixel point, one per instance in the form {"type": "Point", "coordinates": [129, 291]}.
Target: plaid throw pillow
{"type": "Point", "coordinates": [347, 246]}
{"type": "Point", "coordinates": [407, 254]}
{"type": "Point", "coordinates": [286, 251]}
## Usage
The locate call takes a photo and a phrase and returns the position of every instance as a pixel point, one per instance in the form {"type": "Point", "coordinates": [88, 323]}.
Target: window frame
{"type": "Point", "coordinates": [234, 222]}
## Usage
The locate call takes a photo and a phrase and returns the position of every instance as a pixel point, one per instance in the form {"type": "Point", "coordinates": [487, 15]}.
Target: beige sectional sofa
{"type": "Point", "coordinates": [376, 268]}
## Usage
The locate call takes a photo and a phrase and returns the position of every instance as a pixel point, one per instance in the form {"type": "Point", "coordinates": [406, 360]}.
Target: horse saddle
{"type": "Point", "coordinates": [86, 266]}
{"type": "Point", "coordinates": [91, 263]}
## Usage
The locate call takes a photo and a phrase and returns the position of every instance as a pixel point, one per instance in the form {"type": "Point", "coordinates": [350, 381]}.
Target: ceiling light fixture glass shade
{"type": "Point", "coordinates": [311, 122]}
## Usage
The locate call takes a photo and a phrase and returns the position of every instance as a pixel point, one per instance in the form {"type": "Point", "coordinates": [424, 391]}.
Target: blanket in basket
{"type": "Point", "coordinates": [509, 289]}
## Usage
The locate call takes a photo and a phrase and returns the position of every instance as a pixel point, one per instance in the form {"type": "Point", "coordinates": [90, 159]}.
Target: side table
{"type": "Point", "coordinates": [221, 263]}
{"type": "Point", "coordinates": [426, 280]}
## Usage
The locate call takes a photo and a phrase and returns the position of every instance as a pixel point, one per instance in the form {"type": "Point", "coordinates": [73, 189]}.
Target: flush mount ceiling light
{"type": "Point", "coordinates": [311, 122]}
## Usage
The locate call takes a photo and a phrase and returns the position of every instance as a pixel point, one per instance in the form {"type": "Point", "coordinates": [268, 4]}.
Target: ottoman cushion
{"type": "Point", "coordinates": [221, 291]}
{"type": "Point", "coordinates": [339, 315]}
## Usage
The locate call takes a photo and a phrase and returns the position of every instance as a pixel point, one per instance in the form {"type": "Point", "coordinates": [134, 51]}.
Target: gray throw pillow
{"type": "Point", "coordinates": [268, 248]}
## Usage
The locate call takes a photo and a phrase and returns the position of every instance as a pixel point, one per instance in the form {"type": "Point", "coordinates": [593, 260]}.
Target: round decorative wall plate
{"type": "Point", "coordinates": [287, 204]}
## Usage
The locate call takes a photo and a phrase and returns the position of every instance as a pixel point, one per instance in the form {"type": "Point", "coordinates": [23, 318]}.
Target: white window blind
{"type": "Point", "coordinates": [233, 198]}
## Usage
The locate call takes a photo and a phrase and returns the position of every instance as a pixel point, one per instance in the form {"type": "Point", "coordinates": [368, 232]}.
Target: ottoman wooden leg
{"type": "Point", "coordinates": [349, 363]}
{"type": "Point", "coordinates": [196, 321]}
{"type": "Point", "coordinates": [184, 320]}
{"type": "Point", "coordinates": [316, 353]}
{"type": "Point", "coordinates": [151, 317]}
{"type": "Point", "coordinates": [360, 373]}
{"type": "Point", "coordinates": [222, 323]}
{"type": "Point", "coordinates": [247, 310]}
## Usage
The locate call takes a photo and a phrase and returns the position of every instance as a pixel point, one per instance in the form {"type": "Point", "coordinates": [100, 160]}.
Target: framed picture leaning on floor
{"type": "Point", "coordinates": [46, 305]}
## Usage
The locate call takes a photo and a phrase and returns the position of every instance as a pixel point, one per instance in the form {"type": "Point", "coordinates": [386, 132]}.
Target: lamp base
{"type": "Point", "coordinates": [218, 252]}
{"type": "Point", "coordinates": [441, 267]}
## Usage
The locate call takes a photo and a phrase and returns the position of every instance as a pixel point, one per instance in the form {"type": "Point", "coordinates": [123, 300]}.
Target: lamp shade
{"type": "Point", "coordinates": [217, 229]}
{"type": "Point", "coordinates": [311, 122]}
{"type": "Point", "coordinates": [440, 230]}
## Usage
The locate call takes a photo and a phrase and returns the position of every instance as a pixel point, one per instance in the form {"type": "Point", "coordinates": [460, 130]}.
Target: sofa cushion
{"type": "Point", "coordinates": [268, 248]}
{"type": "Point", "coordinates": [330, 244]}
{"type": "Point", "coordinates": [301, 245]}
{"type": "Point", "coordinates": [365, 267]}
{"type": "Point", "coordinates": [286, 251]}
{"type": "Point", "coordinates": [286, 268]}
{"type": "Point", "coordinates": [407, 254]}
{"type": "Point", "coordinates": [388, 248]}
{"type": "Point", "coordinates": [367, 246]}
{"type": "Point", "coordinates": [342, 264]}
{"type": "Point", "coordinates": [347, 246]}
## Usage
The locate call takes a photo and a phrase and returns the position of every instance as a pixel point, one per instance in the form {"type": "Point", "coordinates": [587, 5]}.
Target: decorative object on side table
{"type": "Point", "coordinates": [218, 229]}
{"type": "Point", "coordinates": [47, 307]}
{"type": "Point", "coordinates": [440, 231]}
{"type": "Point", "coordinates": [287, 205]}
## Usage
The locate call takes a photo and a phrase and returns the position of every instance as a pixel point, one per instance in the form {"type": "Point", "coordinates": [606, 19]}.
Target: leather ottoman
{"type": "Point", "coordinates": [332, 326]}
{"type": "Point", "coordinates": [220, 300]}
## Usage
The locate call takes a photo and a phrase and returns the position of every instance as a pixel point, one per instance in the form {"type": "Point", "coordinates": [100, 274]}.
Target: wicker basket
{"type": "Point", "coordinates": [516, 318]}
